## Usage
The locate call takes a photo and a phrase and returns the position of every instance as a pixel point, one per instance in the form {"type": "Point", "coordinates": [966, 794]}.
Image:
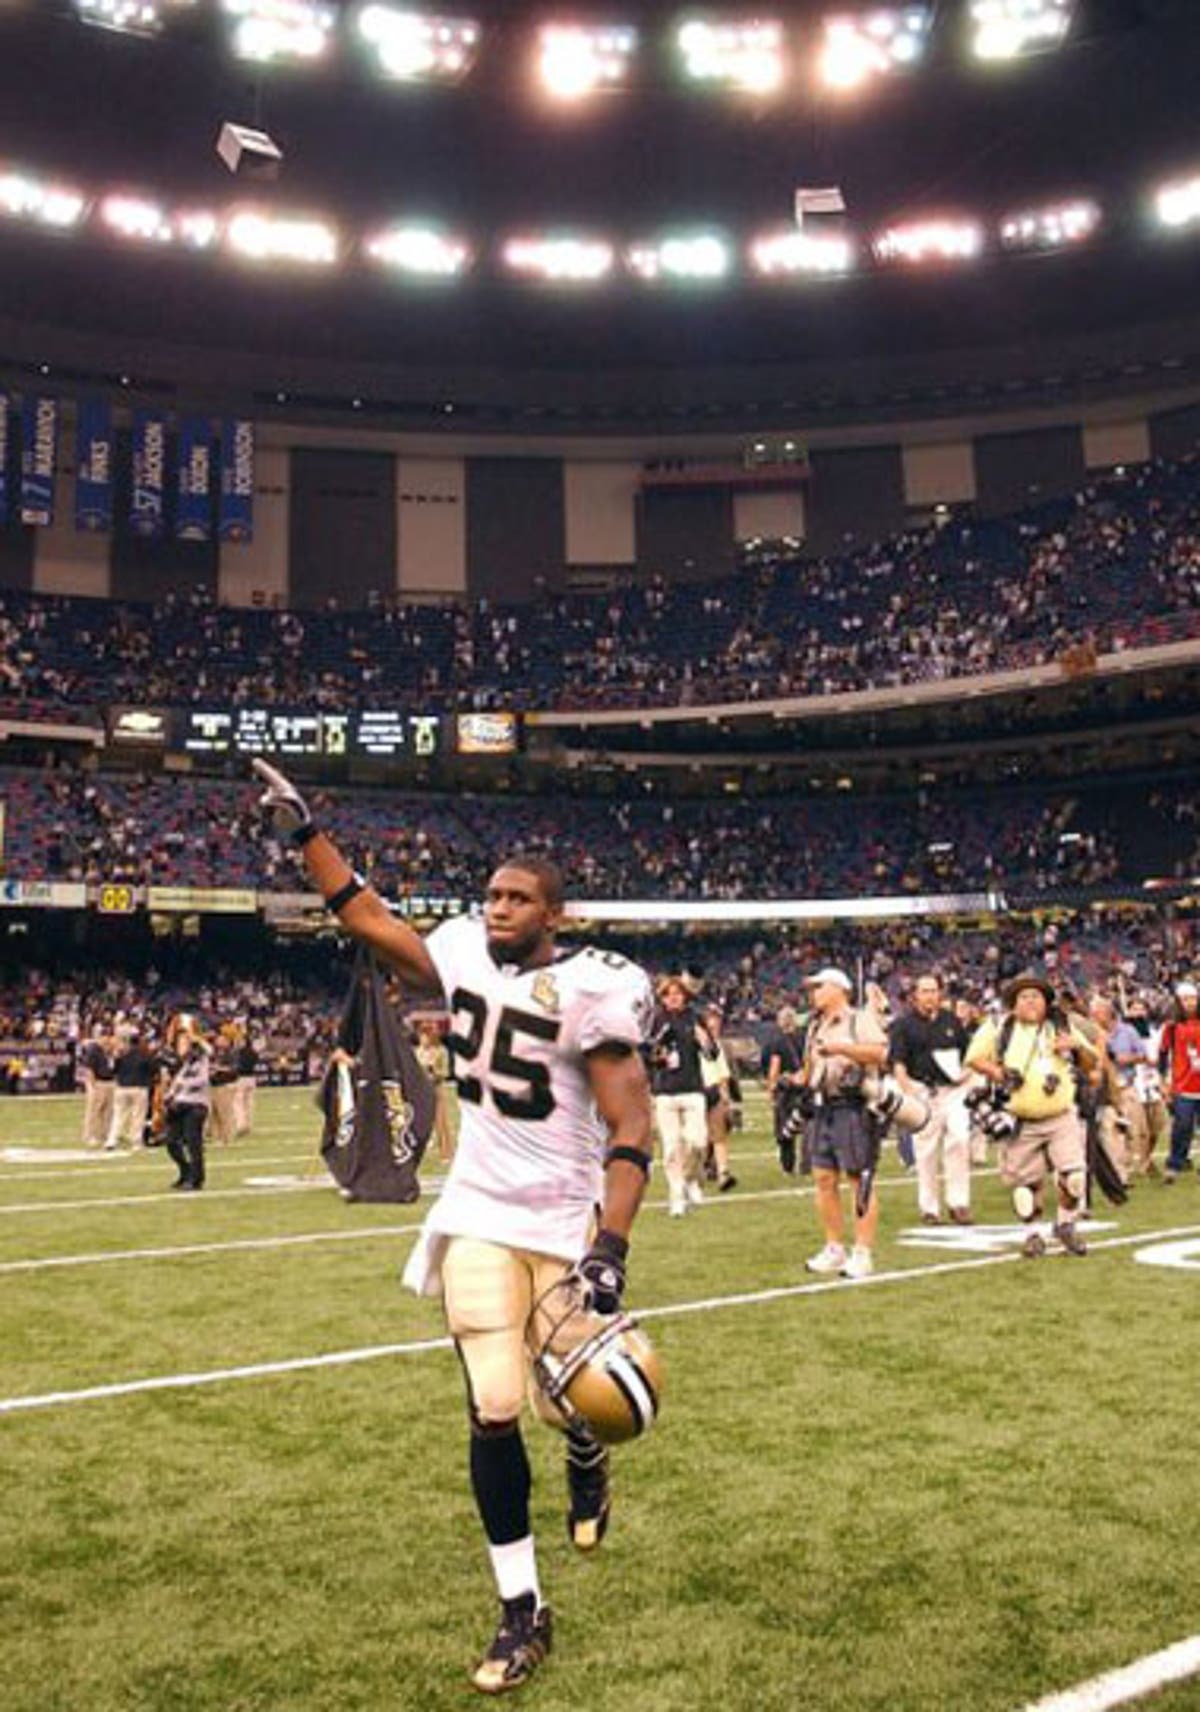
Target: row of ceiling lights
{"type": "Point", "coordinates": [842, 51]}
{"type": "Point", "coordinates": [811, 246]}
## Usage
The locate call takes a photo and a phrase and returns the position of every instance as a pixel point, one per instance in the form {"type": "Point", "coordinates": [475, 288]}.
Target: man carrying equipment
{"type": "Point", "coordinates": [679, 1047]}
{"type": "Point", "coordinates": [1031, 1060]}
{"type": "Point", "coordinates": [927, 1044]}
{"type": "Point", "coordinates": [783, 1066]}
{"type": "Point", "coordinates": [555, 1118]}
{"type": "Point", "coordinates": [844, 1048]}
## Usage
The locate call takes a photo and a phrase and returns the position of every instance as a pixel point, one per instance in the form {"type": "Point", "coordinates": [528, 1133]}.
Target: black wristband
{"type": "Point", "coordinates": [345, 895]}
{"type": "Point", "coordinates": [303, 833]}
{"type": "Point", "coordinates": [611, 1246]}
{"type": "Point", "coordinates": [631, 1156]}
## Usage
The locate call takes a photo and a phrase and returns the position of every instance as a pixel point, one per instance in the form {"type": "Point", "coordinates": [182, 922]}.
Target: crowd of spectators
{"type": "Point", "coordinates": [1116, 566]}
{"type": "Point", "coordinates": [291, 1003]}
{"type": "Point", "coordinates": [75, 825]}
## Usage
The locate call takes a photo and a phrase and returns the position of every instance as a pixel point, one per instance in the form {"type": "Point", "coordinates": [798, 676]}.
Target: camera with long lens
{"type": "Point", "coordinates": [893, 1104]}
{"type": "Point", "coordinates": [796, 1107]}
{"type": "Point", "coordinates": [988, 1107]}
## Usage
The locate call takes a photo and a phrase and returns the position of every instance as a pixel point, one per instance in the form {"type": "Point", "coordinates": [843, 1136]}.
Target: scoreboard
{"type": "Point", "coordinates": [377, 733]}
{"type": "Point", "coordinates": [384, 734]}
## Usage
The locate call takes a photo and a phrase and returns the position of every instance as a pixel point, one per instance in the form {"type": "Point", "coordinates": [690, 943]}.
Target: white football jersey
{"type": "Point", "coordinates": [528, 1168]}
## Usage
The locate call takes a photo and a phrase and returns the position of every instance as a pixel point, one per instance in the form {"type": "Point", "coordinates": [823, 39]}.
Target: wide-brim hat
{"type": "Point", "coordinates": [1027, 978]}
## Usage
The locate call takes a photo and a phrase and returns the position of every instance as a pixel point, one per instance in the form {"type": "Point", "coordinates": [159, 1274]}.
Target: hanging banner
{"type": "Point", "coordinates": [193, 511]}
{"type": "Point", "coordinates": [148, 499]}
{"type": "Point", "coordinates": [237, 480]}
{"type": "Point", "coordinates": [5, 442]}
{"type": "Point", "coordinates": [94, 465]}
{"type": "Point", "coordinates": [39, 446]}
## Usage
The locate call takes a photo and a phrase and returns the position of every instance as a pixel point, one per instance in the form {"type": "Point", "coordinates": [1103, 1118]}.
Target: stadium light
{"type": "Point", "coordinates": [742, 56]}
{"type": "Point", "coordinates": [133, 217]}
{"type": "Point", "coordinates": [855, 49]}
{"type": "Point", "coordinates": [272, 31]}
{"type": "Point", "coordinates": [140, 220]}
{"type": "Point", "coordinates": [1003, 29]}
{"type": "Point", "coordinates": [53, 205]}
{"type": "Point", "coordinates": [576, 60]}
{"type": "Point", "coordinates": [565, 260]}
{"type": "Point", "coordinates": [196, 228]}
{"type": "Point", "coordinates": [265, 237]}
{"type": "Point", "coordinates": [930, 241]}
{"type": "Point", "coordinates": [699, 256]}
{"type": "Point", "coordinates": [1178, 204]}
{"type": "Point", "coordinates": [131, 17]}
{"type": "Point", "coordinates": [1054, 228]}
{"type": "Point", "coordinates": [420, 250]}
{"type": "Point", "coordinates": [417, 47]}
{"type": "Point", "coordinates": [792, 252]}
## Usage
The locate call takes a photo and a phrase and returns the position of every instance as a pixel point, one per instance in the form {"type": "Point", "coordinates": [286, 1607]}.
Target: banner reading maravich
{"type": "Point", "coordinates": [193, 508]}
{"type": "Point", "coordinates": [39, 448]}
{"type": "Point", "coordinates": [147, 504]}
{"type": "Point", "coordinates": [237, 481]}
{"type": "Point", "coordinates": [94, 465]}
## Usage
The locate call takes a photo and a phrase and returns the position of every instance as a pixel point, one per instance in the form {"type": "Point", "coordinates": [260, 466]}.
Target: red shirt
{"type": "Point", "coordinates": [1180, 1056]}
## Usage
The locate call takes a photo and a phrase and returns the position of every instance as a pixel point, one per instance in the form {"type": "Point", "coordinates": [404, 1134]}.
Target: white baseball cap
{"type": "Point", "coordinates": [830, 977]}
{"type": "Point", "coordinates": [1187, 990]}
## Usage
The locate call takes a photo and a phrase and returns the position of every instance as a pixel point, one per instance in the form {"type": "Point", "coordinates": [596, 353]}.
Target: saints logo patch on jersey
{"type": "Point", "coordinates": [544, 992]}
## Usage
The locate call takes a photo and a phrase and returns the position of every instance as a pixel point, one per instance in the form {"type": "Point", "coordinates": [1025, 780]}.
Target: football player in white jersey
{"type": "Point", "coordinates": [555, 1122]}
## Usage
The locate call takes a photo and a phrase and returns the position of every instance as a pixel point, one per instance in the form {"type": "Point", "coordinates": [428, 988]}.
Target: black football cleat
{"type": "Point", "coordinates": [587, 1485]}
{"type": "Point", "coordinates": [521, 1643]}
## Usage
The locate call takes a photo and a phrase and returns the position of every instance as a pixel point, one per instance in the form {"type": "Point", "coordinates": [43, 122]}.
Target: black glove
{"type": "Point", "coordinates": [283, 802]}
{"type": "Point", "coordinates": [602, 1271]}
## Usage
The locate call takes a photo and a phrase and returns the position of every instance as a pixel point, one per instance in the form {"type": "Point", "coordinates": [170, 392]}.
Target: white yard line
{"type": "Point", "coordinates": [137, 1164]}
{"type": "Point", "coordinates": [241, 1245]}
{"type": "Point", "coordinates": [1131, 1682]}
{"type": "Point", "coordinates": [734, 1199]}
{"type": "Point", "coordinates": [378, 1352]}
{"type": "Point", "coordinates": [325, 1183]}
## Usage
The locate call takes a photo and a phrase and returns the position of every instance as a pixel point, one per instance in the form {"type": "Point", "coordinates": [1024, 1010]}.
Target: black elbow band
{"type": "Point", "coordinates": [631, 1156]}
{"type": "Point", "coordinates": [303, 834]}
{"type": "Point", "coordinates": [348, 892]}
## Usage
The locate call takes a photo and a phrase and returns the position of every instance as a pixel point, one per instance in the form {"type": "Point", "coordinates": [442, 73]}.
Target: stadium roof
{"type": "Point", "coordinates": [1110, 115]}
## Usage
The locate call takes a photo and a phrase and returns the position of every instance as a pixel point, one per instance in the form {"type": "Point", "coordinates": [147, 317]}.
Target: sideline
{"type": "Point", "coordinates": [671, 1310]}
{"type": "Point", "coordinates": [1130, 1682]}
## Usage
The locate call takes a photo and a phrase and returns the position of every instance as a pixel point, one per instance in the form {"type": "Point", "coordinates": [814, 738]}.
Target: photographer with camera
{"type": "Point", "coordinates": [927, 1047]}
{"type": "Point", "coordinates": [844, 1050]}
{"type": "Point", "coordinates": [783, 1065]}
{"type": "Point", "coordinates": [679, 1045]}
{"type": "Point", "coordinates": [1031, 1060]}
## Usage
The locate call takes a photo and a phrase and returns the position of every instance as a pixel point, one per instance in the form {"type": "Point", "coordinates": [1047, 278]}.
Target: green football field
{"type": "Point", "coordinates": [957, 1488]}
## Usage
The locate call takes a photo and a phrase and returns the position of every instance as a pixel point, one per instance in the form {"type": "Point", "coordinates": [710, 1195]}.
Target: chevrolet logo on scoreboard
{"type": "Point", "coordinates": [148, 726]}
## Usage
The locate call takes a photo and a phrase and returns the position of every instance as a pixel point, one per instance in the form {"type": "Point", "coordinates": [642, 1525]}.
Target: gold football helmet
{"type": "Point", "coordinates": [598, 1370]}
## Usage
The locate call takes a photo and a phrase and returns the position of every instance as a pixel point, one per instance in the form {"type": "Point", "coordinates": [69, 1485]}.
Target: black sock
{"type": "Point", "coordinates": [501, 1481]}
{"type": "Point", "coordinates": [584, 1450]}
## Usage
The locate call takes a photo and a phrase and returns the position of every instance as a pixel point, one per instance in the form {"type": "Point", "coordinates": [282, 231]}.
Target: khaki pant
{"type": "Point", "coordinates": [129, 1108]}
{"type": "Point", "coordinates": [490, 1292]}
{"type": "Point", "coordinates": [97, 1113]}
{"type": "Point", "coordinates": [243, 1107]}
{"type": "Point", "coordinates": [1043, 1147]}
{"type": "Point", "coordinates": [945, 1139]}
{"type": "Point", "coordinates": [222, 1113]}
{"type": "Point", "coordinates": [683, 1129]}
{"type": "Point", "coordinates": [1149, 1129]}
